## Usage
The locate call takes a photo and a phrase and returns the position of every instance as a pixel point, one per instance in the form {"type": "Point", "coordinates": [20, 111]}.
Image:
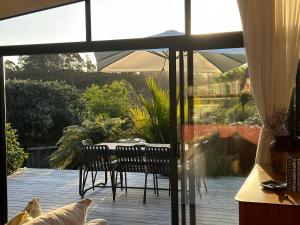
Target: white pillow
{"type": "Point", "coordinates": [33, 208]}
{"type": "Point", "coordinates": [31, 211]}
{"type": "Point", "coordinates": [21, 218]}
{"type": "Point", "coordinates": [72, 214]}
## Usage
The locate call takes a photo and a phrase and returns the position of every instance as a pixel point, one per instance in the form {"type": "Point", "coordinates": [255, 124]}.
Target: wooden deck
{"type": "Point", "coordinates": [59, 187]}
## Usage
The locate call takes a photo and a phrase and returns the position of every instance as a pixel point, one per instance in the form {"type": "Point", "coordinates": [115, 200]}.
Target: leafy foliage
{"type": "Point", "coordinates": [231, 111]}
{"type": "Point", "coordinates": [234, 74]}
{"type": "Point", "coordinates": [151, 121]}
{"type": "Point", "coordinates": [72, 69]}
{"type": "Point", "coordinates": [236, 109]}
{"type": "Point", "coordinates": [90, 67]}
{"type": "Point", "coordinates": [15, 154]}
{"type": "Point", "coordinates": [83, 80]}
{"type": "Point", "coordinates": [40, 110]}
{"type": "Point", "coordinates": [67, 155]}
{"type": "Point", "coordinates": [51, 63]}
{"type": "Point", "coordinates": [10, 66]}
{"type": "Point", "coordinates": [112, 101]}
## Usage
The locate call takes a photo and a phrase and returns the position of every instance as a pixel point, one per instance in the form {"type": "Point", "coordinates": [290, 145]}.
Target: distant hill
{"type": "Point", "coordinates": [168, 33]}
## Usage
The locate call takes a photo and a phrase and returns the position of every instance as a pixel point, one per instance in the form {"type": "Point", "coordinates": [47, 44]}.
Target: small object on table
{"type": "Point", "coordinates": [273, 185]}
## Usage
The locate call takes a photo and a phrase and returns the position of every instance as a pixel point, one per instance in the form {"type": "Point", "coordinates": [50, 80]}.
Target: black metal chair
{"type": "Point", "coordinates": [129, 159]}
{"type": "Point", "coordinates": [89, 142]}
{"type": "Point", "coordinates": [94, 158]}
{"type": "Point", "coordinates": [157, 162]}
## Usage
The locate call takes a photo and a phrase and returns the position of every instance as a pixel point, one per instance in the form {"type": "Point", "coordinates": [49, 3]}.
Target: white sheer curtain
{"type": "Point", "coordinates": [272, 40]}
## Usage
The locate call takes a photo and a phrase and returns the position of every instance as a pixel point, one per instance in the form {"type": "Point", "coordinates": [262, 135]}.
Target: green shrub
{"type": "Point", "coordinates": [15, 154]}
{"type": "Point", "coordinates": [39, 110]}
{"type": "Point", "coordinates": [111, 101]}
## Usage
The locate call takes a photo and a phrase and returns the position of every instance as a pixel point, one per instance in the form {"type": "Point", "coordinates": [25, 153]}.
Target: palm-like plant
{"type": "Point", "coordinates": [152, 119]}
{"type": "Point", "coordinates": [67, 155]}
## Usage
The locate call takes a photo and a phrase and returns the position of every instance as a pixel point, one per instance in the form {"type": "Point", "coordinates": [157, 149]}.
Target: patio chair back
{"type": "Point", "coordinates": [158, 160]}
{"type": "Point", "coordinates": [96, 157]}
{"type": "Point", "coordinates": [130, 159]}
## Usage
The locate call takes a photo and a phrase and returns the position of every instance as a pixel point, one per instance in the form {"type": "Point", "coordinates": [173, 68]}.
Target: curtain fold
{"type": "Point", "coordinates": [271, 30]}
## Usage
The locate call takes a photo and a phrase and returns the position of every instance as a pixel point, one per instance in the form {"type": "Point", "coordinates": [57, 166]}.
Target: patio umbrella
{"type": "Point", "coordinates": [132, 61]}
{"type": "Point", "coordinates": [157, 60]}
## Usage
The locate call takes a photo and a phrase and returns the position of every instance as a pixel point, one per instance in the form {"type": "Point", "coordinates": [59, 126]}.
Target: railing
{"type": "Point", "coordinates": [38, 157]}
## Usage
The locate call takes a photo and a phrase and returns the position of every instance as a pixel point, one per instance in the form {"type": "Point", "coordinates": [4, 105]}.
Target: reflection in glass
{"type": "Point", "coordinates": [221, 138]}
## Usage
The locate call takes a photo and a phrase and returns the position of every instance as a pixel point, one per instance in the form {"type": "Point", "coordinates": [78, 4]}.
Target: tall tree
{"type": "Point", "coordinates": [41, 63]}
{"type": "Point", "coordinates": [72, 62]}
{"type": "Point", "coordinates": [52, 63]}
{"type": "Point", "coordinates": [40, 110]}
{"type": "Point", "coordinates": [11, 66]}
{"type": "Point", "coordinates": [90, 67]}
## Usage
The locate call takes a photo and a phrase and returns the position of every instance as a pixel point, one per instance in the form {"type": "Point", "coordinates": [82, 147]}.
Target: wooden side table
{"type": "Point", "coordinates": [265, 207]}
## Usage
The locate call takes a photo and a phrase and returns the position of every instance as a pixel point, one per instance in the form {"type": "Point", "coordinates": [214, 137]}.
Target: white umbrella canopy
{"type": "Point", "coordinates": [212, 61]}
{"type": "Point", "coordinates": [157, 60]}
{"type": "Point", "coordinates": [135, 61]}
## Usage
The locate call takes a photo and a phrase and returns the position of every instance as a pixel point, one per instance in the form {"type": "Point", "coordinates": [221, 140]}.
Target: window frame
{"type": "Point", "coordinates": [186, 42]}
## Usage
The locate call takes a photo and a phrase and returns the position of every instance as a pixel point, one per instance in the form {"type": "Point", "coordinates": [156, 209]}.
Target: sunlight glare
{"type": "Point", "coordinates": [213, 16]}
{"type": "Point", "coordinates": [120, 19]}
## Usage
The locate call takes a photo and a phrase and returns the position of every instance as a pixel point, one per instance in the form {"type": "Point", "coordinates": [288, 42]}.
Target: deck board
{"type": "Point", "coordinates": [60, 187]}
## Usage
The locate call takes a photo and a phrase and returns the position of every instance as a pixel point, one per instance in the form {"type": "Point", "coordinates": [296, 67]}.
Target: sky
{"type": "Point", "coordinates": [119, 19]}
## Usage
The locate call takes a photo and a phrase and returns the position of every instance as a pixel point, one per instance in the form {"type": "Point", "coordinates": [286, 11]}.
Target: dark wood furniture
{"type": "Point", "coordinates": [265, 207]}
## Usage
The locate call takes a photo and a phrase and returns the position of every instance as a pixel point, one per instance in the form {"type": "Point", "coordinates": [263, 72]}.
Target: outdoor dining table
{"type": "Point", "coordinates": [113, 152]}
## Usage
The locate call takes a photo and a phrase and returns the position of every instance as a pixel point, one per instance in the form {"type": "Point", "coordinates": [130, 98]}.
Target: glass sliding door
{"type": "Point", "coordinates": [116, 96]}
{"type": "Point", "coordinates": [218, 129]}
